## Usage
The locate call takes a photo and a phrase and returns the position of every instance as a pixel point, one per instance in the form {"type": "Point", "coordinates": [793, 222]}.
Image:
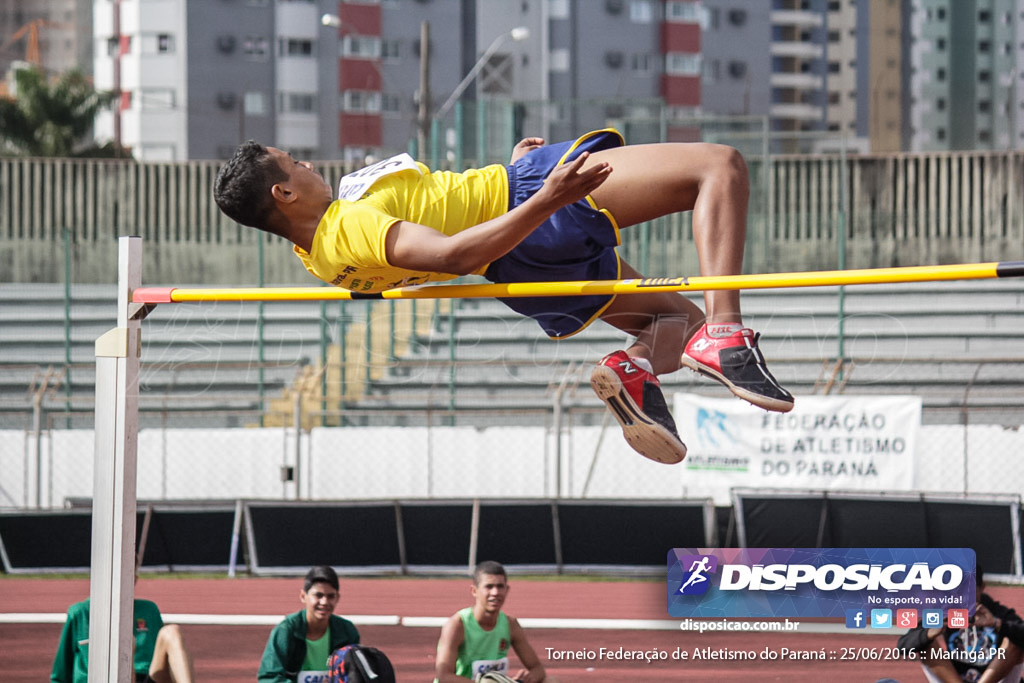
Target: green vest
{"type": "Point", "coordinates": [482, 651]}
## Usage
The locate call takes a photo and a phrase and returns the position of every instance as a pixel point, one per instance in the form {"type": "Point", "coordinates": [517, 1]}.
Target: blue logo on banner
{"type": "Point", "coordinates": [696, 580]}
{"type": "Point", "coordinates": [818, 582]}
{"type": "Point", "coordinates": [931, 618]}
{"type": "Point", "coordinates": [856, 618]}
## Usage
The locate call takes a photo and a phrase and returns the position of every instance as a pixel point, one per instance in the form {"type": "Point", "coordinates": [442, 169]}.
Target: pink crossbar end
{"type": "Point", "coordinates": [152, 295]}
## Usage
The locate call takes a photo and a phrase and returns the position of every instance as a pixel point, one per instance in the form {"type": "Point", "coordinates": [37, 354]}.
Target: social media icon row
{"type": "Point", "coordinates": [905, 618]}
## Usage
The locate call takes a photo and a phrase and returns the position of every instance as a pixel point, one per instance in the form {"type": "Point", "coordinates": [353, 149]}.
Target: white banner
{"type": "Point", "coordinates": [825, 442]}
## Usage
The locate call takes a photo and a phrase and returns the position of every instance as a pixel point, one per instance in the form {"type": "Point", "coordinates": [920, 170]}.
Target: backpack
{"type": "Point", "coordinates": [359, 664]}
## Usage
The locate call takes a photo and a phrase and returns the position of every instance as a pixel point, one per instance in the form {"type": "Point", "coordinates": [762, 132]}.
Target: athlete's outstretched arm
{"type": "Point", "coordinates": [418, 247]}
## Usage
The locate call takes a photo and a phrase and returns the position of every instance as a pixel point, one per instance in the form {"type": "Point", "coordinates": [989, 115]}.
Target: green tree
{"type": "Point", "coordinates": [50, 118]}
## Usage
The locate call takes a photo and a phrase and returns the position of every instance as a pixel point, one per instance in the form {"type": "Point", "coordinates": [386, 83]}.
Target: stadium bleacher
{"type": "Point", "coordinates": [956, 344]}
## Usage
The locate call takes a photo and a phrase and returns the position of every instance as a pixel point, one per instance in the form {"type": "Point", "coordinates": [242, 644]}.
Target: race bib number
{"type": "Point", "coordinates": [313, 677]}
{"type": "Point", "coordinates": [482, 666]}
{"type": "Point", "coordinates": [354, 185]}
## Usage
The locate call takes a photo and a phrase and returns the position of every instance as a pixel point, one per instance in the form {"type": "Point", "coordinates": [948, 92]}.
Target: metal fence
{"type": "Point", "coordinates": [59, 218]}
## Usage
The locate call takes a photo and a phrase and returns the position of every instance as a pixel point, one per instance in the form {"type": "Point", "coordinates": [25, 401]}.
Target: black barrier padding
{"type": "Point", "coordinates": [188, 538]}
{"type": "Point", "coordinates": [44, 541]}
{"type": "Point", "coordinates": [516, 534]}
{"type": "Point", "coordinates": [437, 535]}
{"type": "Point", "coordinates": [628, 535]}
{"type": "Point", "coordinates": [877, 524]}
{"type": "Point", "coordinates": [783, 522]}
{"type": "Point", "coordinates": [986, 528]}
{"type": "Point", "coordinates": [340, 536]}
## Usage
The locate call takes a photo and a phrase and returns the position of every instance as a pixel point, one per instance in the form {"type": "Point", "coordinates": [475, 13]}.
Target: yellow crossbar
{"type": "Point", "coordinates": [824, 278]}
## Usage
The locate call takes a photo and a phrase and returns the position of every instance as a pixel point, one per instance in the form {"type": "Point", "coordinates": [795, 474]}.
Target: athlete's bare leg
{"type": "Point", "coordinates": [649, 181]}
{"type": "Point", "coordinates": [661, 323]}
{"type": "Point", "coordinates": [171, 661]}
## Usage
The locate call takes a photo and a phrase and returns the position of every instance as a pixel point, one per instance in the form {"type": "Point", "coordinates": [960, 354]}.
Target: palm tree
{"type": "Point", "coordinates": [49, 118]}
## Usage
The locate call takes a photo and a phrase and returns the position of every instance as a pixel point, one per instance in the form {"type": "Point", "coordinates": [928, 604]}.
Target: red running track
{"type": "Point", "coordinates": [229, 654]}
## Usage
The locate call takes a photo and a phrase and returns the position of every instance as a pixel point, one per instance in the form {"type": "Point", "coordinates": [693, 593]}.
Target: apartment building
{"type": "Point", "coordinates": [198, 76]}
{"type": "Point", "coordinates": [967, 74]}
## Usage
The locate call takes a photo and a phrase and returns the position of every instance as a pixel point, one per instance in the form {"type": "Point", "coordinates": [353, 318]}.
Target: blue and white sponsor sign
{"type": "Point", "coordinates": [817, 582]}
{"type": "Point", "coordinates": [825, 442]}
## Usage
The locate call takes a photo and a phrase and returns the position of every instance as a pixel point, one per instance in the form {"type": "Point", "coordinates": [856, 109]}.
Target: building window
{"type": "Point", "coordinates": [984, 76]}
{"type": "Point", "coordinates": [391, 50]}
{"type": "Point", "coordinates": [984, 106]}
{"type": "Point", "coordinates": [641, 62]}
{"type": "Point", "coordinates": [682, 64]}
{"type": "Point", "coordinates": [113, 45]}
{"type": "Point", "coordinates": [255, 103]}
{"type": "Point", "coordinates": [360, 47]}
{"type": "Point", "coordinates": [940, 44]}
{"type": "Point", "coordinates": [712, 71]}
{"type": "Point", "coordinates": [940, 104]}
{"type": "Point", "coordinates": [295, 47]}
{"type": "Point", "coordinates": [984, 46]}
{"type": "Point", "coordinates": [256, 48]}
{"type": "Point", "coordinates": [297, 102]}
{"type": "Point", "coordinates": [390, 103]}
{"type": "Point", "coordinates": [156, 43]}
{"type": "Point", "coordinates": [360, 101]}
{"type": "Point", "coordinates": [940, 74]}
{"type": "Point", "coordinates": [682, 11]}
{"type": "Point", "coordinates": [156, 98]}
{"type": "Point", "coordinates": [558, 60]}
{"type": "Point", "coordinates": [641, 12]}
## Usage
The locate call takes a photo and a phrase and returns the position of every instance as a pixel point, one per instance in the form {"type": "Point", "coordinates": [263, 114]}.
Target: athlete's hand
{"type": "Point", "coordinates": [571, 182]}
{"type": "Point", "coordinates": [524, 676]}
{"type": "Point", "coordinates": [525, 145]}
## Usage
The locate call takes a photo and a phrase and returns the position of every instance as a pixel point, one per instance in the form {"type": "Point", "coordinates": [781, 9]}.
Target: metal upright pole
{"type": "Point", "coordinates": [423, 117]}
{"type": "Point", "coordinates": [114, 478]}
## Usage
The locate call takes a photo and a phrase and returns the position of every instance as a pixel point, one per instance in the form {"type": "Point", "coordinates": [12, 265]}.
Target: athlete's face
{"type": "Point", "coordinates": [490, 592]}
{"type": "Point", "coordinates": [319, 601]}
{"type": "Point", "coordinates": [302, 177]}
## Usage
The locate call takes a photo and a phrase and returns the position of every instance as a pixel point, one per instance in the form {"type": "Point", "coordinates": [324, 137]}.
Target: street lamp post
{"type": "Point", "coordinates": [518, 33]}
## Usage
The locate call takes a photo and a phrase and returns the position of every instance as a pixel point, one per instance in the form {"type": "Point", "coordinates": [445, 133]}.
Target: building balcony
{"type": "Point", "coordinates": [797, 81]}
{"type": "Point", "coordinates": [796, 18]}
{"type": "Point", "coordinates": [798, 50]}
{"type": "Point", "coordinates": [800, 112]}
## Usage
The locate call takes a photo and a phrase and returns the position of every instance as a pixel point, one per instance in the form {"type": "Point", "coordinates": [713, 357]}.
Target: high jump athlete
{"type": "Point", "coordinates": [553, 214]}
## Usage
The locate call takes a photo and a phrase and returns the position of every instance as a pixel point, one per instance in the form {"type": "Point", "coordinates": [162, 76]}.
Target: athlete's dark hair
{"type": "Point", "coordinates": [321, 574]}
{"type": "Point", "coordinates": [488, 567]}
{"type": "Point", "coordinates": [242, 187]}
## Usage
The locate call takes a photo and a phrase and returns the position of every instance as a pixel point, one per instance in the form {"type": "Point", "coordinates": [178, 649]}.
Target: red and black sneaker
{"type": "Point", "coordinates": [635, 399]}
{"type": "Point", "coordinates": [734, 360]}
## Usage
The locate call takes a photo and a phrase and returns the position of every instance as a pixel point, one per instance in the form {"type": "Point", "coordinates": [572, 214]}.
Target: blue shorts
{"type": "Point", "coordinates": [576, 243]}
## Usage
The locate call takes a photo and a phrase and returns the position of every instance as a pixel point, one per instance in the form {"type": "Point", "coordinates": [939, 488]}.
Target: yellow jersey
{"type": "Point", "coordinates": [348, 246]}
